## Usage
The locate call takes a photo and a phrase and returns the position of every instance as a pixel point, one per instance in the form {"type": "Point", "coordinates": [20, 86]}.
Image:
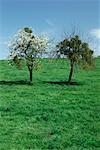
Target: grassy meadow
{"type": "Point", "coordinates": [49, 114]}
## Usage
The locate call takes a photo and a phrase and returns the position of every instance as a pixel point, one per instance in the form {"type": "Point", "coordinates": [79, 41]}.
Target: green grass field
{"type": "Point", "coordinates": [46, 115]}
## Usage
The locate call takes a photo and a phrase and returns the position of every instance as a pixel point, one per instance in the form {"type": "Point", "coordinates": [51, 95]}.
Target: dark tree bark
{"type": "Point", "coordinates": [71, 71]}
{"type": "Point", "coordinates": [31, 78]}
{"type": "Point", "coordinates": [30, 68]}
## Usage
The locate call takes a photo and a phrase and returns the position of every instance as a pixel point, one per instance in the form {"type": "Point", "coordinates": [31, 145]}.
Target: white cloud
{"type": "Point", "coordinates": [95, 33]}
{"type": "Point", "coordinates": [4, 41]}
{"type": "Point", "coordinates": [50, 29]}
{"type": "Point", "coordinates": [49, 22]}
{"type": "Point", "coordinates": [4, 51]}
{"type": "Point", "coordinates": [95, 43]}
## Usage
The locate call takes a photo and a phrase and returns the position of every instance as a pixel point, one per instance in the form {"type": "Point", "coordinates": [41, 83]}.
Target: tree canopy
{"type": "Point", "coordinates": [76, 51]}
{"type": "Point", "coordinates": [25, 45]}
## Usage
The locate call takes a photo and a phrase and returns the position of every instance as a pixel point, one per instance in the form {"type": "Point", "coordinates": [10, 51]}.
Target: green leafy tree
{"type": "Point", "coordinates": [77, 52]}
{"type": "Point", "coordinates": [27, 46]}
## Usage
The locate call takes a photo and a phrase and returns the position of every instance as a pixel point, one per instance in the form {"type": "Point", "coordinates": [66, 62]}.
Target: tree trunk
{"type": "Point", "coordinates": [71, 72]}
{"type": "Point", "coordinates": [30, 75]}
{"type": "Point", "coordinates": [30, 68]}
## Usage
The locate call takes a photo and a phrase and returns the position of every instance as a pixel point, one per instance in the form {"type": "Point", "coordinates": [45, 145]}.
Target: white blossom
{"type": "Point", "coordinates": [24, 44]}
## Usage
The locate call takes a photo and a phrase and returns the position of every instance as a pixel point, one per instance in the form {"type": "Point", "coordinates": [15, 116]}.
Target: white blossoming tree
{"type": "Point", "coordinates": [25, 45]}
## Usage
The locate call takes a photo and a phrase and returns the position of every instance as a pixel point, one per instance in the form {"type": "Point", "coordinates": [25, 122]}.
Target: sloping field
{"type": "Point", "coordinates": [49, 114]}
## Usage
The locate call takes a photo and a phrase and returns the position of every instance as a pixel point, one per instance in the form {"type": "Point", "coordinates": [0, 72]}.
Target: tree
{"type": "Point", "coordinates": [77, 52]}
{"type": "Point", "coordinates": [25, 45]}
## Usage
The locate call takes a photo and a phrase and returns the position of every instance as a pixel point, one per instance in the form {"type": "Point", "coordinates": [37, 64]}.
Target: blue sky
{"type": "Point", "coordinates": [53, 17]}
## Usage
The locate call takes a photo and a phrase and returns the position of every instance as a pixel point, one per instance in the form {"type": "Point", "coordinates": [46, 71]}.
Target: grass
{"type": "Point", "coordinates": [46, 115]}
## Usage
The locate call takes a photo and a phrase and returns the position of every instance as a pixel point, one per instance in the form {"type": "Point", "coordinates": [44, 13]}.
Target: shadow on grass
{"type": "Point", "coordinates": [20, 82]}
{"type": "Point", "coordinates": [23, 82]}
{"type": "Point", "coordinates": [63, 83]}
